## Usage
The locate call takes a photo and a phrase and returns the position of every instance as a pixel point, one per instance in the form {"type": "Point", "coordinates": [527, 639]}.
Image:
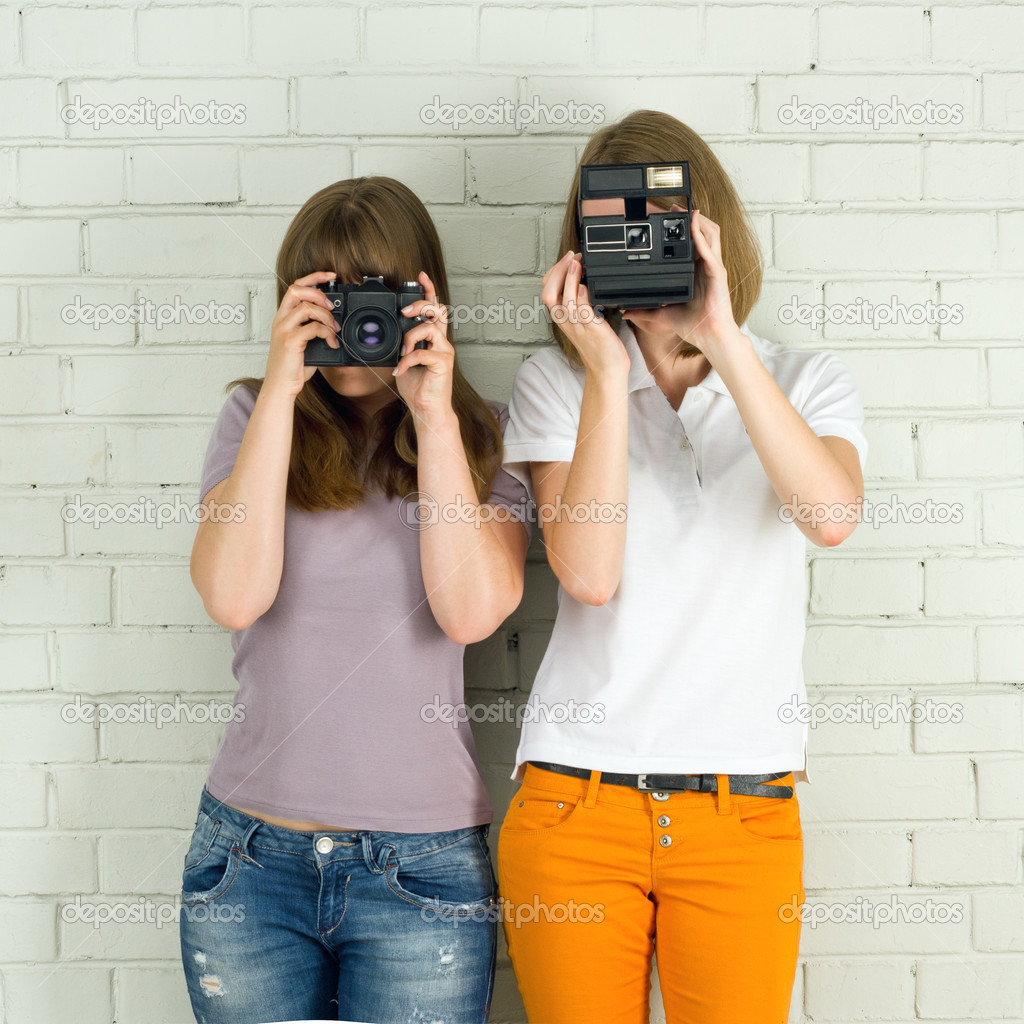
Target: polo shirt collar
{"type": "Point", "coordinates": [641, 377]}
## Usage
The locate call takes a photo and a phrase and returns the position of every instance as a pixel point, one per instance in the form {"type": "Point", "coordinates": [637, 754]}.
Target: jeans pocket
{"type": "Point", "coordinates": [211, 863]}
{"type": "Point", "coordinates": [538, 812]}
{"type": "Point", "coordinates": [773, 820]}
{"type": "Point", "coordinates": [455, 879]}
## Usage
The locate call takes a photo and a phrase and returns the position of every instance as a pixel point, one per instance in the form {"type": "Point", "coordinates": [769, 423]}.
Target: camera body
{"type": "Point", "coordinates": [637, 260]}
{"type": "Point", "coordinates": [372, 325]}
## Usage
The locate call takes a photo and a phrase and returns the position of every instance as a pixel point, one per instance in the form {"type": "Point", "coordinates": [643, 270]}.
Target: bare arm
{"type": "Point", "coordinates": [472, 570]}
{"type": "Point", "coordinates": [587, 555]}
{"type": "Point", "coordinates": [236, 565]}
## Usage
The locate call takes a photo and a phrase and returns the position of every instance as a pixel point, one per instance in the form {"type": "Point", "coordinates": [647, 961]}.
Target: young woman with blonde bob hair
{"type": "Point", "coordinates": [665, 817]}
{"type": "Point", "coordinates": [339, 866]}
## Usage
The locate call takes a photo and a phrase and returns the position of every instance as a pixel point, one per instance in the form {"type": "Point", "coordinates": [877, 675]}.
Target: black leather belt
{"type": "Point", "coordinates": [748, 785]}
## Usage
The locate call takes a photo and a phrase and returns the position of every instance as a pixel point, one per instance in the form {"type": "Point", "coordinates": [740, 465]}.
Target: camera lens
{"type": "Point", "coordinates": [369, 333]}
{"type": "Point", "coordinates": [673, 230]}
{"type": "Point", "coordinates": [638, 237]}
{"type": "Point", "coordinates": [372, 336]}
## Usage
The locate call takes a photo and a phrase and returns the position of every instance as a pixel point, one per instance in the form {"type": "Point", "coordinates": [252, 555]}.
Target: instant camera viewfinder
{"type": "Point", "coordinates": [637, 260]}
{"type": "Point", "coordinates": [372, 325]}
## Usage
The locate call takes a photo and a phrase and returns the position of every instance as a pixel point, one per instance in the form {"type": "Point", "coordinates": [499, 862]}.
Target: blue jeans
{"type": "Point", "coordinates": [382, 927]}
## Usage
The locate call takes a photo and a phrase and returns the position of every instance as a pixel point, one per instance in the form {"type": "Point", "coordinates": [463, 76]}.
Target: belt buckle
{"type": "Point", "coordinates": [641, 783]}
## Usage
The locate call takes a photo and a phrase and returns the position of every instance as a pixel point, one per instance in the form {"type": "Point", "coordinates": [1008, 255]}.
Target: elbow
{"type": "Point", "coordinates": [831, 535]}
{"type": "Point", "coordinates": [233, 617]}
{"type": "Point", "coordinates": [594, 593]}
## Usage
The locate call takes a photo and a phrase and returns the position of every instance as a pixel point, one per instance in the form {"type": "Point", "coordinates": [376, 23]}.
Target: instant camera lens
{"type": "Point", "coordinates": [638, 237]}
{"type": "Point", "coordinates": [673, 230]}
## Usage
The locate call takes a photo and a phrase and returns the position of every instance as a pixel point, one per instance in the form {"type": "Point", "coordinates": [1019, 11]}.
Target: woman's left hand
{"type": "Point", "coordinates": [424, 376]}
{"type": "Point", "coordinates": [708, 315]}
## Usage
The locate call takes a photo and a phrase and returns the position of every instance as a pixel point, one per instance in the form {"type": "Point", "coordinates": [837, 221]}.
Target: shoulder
{"type": "Point", "coordinates": [795, 370]}
{"type": "Point", "coordinates": [548, 369]}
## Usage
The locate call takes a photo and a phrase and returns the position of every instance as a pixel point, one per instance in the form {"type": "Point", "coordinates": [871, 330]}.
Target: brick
{"type": "Point", "coordinates": [972, 988]}
{"type": "Point", "coordinates": [860, 991]}
{"type": "Point", "coordinates": [1001, 654]}
{"type": "Point", "coordinates": [520, 173]}
{"type": "Point", "coordinates": [128, 796]}
{"type": "Point", "coordinates": [970, 448]}
{"type": "Point", "coordinates": [37, 247]}
{"type": "Point", "coordinates": [44, 732]}
{"type": "Point", "coordinates": [70, 176]}
{"type": "Point", "coordinates": [974, 586]}
{"type": "Point", "coordinates": [54, 594]}
{"type": "Point", "coordinates": [160, 595]}
{"type": "Point", "coordinates": [865, 240]}
{"type": "Point", "coordinates": [289, 175]}
{"type": "Point", "coordinates": [184, 174]}
{"type": "Point", "coordinates": [25, 662]}
{"type": "Point", "coordinates": [304, 36]}
{"type": "Point", "coordinates": [1003, 517]}
{"type": "Point", "coordinates": [873, 171]}
{"type": "Point", "coordinates": [30, 108]}
{"type": "Point", "coordinates": [615, 35]}
{"type": "Point", "coordinates": [870, 35]}
{"type": "Point", "coordinates": [1003, 101]}
{"type": "Point", "coordinates": [52, 37]}
{"type": "Point", "coordinates": [435, 173]}
{"type": "Point", "coordinates": [529, 36]}
{"type": "Point", "coordinates": [185, 36]}
{"type": "Point", "coordinates": [157, 454]}
{"type": "Point", "coordinates": [444, 35]}
{"type": "Point", "coordinates": [32, 527]}
{"type": "Point", "coordinates": [939, 378]}
{"type": "Point", "coordinates": [867, 586]}
{"type": "Point", "coordinates": [970, 722]}
{"type": "Point", "coordinates": [966, 856]}
{"type": "Point", "coordinates": [79, 993]}
{"type": "Point", "coordinates": [51, 455]}
{"type": "Point", "coordinates": [979, 35]}
{"type": "Point", "coordinates": [762, 38]}
{"type": "Point", "coordinates": [988, 309]}
{"type": "Point", "coordinates": [79, 313]}
{"type": "Point", "coordinates": [886, 655]}
{"type": "Point", "coordinates": [148, 385]}
{"type": "Point", "coordinates": [47, 864]}
{"type": "Point", "coordinates": [180, 662]}
{"type": "Point", "coordinates": [854, 857]}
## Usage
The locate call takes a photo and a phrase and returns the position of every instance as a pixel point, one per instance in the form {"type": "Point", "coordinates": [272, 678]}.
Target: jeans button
{"type": "Point", "coordinates": [664, 821]}
{"type": "Point", "coordinates": [659, 796]}
{"type": "Point", "coordinates": [665, 840]}
{"type": "Point", "coordinates": [324, 844]}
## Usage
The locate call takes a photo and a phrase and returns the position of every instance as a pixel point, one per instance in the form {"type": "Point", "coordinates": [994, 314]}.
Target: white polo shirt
{"type": "Point", "coordinates": [687, 665]}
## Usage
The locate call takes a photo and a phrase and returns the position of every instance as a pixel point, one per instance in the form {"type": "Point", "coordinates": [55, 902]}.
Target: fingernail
{"type": "Point", "coordinates": [405, 309]}
{"type": "Point", "coordinates": [337, 326]}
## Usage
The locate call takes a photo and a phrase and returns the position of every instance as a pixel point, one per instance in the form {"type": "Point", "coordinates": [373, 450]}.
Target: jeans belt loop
{"type": "Point", "coordinates": [723, 794]}
{"type": "Point", "coordinates": [592, 786]}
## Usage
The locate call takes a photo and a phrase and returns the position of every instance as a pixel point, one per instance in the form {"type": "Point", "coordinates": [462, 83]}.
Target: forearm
{"type": "Point", "coordinates": [586, 552]}
{"type": "Point", "coordinates": [794, 458]}
{"type": "Point", "coordinates": [236, 565]}
{"type": "Point", "coordinates": [471, 584]}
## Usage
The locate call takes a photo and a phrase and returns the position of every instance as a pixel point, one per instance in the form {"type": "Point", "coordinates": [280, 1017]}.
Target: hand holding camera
{"type": "Point", "coordinates": [304, 313]}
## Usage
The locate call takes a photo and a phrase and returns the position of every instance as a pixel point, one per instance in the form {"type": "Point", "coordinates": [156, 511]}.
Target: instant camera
{"type": "Point", "coordinates": [372, 325]}
{"type": "Point", "coordinates": [636, 260]}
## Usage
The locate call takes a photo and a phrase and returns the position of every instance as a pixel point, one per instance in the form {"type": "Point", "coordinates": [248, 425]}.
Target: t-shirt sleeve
{"type": "Point", "coordinates": [506, 489]}
{"type": "Point", "coordinates": [226, 439]}
{"type": "Point", "coordinates": [833, 406]}
{"type": "Point", "coordinates": [542, 426]}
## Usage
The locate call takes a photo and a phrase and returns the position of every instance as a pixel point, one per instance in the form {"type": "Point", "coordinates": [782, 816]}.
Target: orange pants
{"type": "Point", "coordinates": [593, 876]}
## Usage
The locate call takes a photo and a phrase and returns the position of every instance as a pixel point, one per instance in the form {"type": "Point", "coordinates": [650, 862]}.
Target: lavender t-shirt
{"type": "Point", "coordinates": [335, 675]}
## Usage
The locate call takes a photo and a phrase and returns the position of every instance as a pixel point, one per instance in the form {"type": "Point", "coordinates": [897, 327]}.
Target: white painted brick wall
{"type": "Point", "coordinates": [905, 612]}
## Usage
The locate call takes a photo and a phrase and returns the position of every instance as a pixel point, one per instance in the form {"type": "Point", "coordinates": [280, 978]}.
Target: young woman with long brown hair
{"type": "Point", "coordinates": [339, 866]}
{"type": "Point", "coordinates": [666, 816]}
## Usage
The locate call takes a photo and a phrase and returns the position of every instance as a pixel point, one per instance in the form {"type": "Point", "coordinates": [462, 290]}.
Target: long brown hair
{"type": "Point", "coordinates": [651, 136]}
{"type": "Point", "coordinates": [373, 226]}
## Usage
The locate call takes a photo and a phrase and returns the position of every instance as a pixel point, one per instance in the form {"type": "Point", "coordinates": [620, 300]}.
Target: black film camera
{"type": "Point", "coordinates": [372, 325]}
{"type": "Point", "coordinates": [638, 260]}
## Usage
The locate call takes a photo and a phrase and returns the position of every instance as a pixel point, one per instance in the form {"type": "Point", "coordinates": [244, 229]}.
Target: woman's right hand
{"type": "Point", "coordinates": [591, 335]}
{"type": "Point", "coordinates": [305, 313]}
